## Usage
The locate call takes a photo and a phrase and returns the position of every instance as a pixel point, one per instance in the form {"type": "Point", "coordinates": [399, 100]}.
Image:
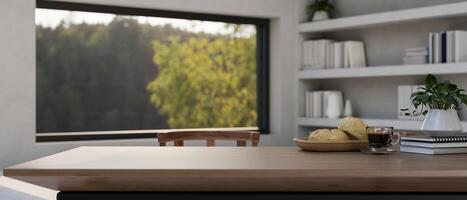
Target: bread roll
{"type": "Point", "coordinates": [353, 126]}
{"type": "Point", "coordinates": [326, 135]}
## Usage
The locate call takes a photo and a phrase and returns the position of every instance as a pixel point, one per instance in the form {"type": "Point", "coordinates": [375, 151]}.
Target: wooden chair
{"type": "Point", "coordinates": [242, 137]}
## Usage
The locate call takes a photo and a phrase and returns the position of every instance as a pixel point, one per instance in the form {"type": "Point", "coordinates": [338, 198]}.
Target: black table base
{"type": "Point", "coordinates": [255, 196]}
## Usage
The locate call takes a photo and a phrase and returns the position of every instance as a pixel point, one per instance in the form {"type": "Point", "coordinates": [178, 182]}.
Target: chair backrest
{"type": "Point", "coordinates": [242, 137]}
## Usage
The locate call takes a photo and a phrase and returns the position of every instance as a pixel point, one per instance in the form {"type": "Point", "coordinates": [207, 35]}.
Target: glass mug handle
{"type": "Point", "coordinates": [395, 138]}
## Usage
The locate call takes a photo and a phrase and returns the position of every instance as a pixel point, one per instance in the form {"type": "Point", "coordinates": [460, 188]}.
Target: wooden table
{"type": "Point", "coordinates": [240, 169]}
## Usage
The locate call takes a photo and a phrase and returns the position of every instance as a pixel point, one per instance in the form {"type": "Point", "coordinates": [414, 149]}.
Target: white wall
{"type": "Point", "coordinates": [17, 70]}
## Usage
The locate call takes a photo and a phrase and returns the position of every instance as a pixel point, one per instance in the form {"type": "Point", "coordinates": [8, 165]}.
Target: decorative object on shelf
{"type": "Point", "coordinates": [415, 56]}
{"type": "Point", "coordinates": [443, 99]}
{"type": "Point", "coordinates": [317, 104]}
{"type": "Point", "coordinates": [348, 111]}
{"type": "Point", "coordinates": [320, 10]}
{"type": "Point", "coordinates": [333, 109]}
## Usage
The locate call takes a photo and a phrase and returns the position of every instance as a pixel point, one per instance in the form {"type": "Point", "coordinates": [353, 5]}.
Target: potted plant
{"type": "Point", "coordinates": [439, 102]}
{"type": "Point", "coordinates": [320, 10]}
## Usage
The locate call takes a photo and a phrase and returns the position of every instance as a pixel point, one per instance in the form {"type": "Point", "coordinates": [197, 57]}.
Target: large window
{"type": "Point", "coordinates": [102, 68]}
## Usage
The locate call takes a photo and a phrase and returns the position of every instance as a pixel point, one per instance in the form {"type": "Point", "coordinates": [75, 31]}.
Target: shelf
{"type": "Point", "coordinates": [409, 125]}
{"type": "Point", "coordinates": [384, 71]}
{"type": "Point", "coordinates": [378, 19]}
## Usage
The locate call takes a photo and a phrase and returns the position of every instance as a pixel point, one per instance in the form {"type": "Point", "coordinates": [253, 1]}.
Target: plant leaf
{"type": "Point", "coordinates": [430, 80]}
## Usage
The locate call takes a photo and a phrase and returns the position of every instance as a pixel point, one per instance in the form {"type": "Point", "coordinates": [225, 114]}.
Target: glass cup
{"type": "Point", "coordinates": [382, 138]}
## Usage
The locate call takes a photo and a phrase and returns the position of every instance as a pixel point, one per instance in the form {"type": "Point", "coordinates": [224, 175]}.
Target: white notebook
{"type": "Point", "coordinates": [434, 145]}
{"type": "Point", "coordinates": [421, 150]}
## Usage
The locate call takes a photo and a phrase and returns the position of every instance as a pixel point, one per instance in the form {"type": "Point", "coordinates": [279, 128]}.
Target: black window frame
{"type": "Point", "coordinates": [262, 64]}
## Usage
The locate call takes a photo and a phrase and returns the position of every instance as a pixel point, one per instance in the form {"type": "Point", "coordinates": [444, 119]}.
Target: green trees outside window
{"type": "Point", "coordinates": [129, 75]}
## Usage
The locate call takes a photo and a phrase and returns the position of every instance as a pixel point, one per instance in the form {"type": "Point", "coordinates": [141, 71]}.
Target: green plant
{"type": "Point", "coordinates": [320, 5]}
{"type": "Point", "coordinates": [437, 95]}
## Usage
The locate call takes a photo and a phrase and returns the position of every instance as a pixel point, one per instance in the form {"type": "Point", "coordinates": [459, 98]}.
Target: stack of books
{"type": "Point", "coordinates": [328, 54]}
{"type": "Point", "coordinates": [447, 46]}
{"type": "Point", "coordinates": [316, 103]}
{"type": "Point", "coordinates": [416, 55]}
{"type": "Point", "coordinates": [434, 145]}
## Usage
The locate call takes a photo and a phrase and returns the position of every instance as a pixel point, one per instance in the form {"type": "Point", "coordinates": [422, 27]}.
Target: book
{"type": "Point", "coordinates": [435, 139]}
{"type": "Point", "coordinates": [414, 60]}
{"type": "Point", "coordinates": [450, 46]}
{"type": "Point", "coordinates": [433, 145]}
{"type": "Point", "coordinates": [460, 49]}
{"type": "Point", "coordinates": [443, 49]}
{"type": "Point", "coordinates": [421, 150]}
{"type": "Point", "coordinates": [437, 48]}
{"type": "Point", "coordinates": [308, 104]}
{"type": "Point", "coordinates": [355, 52]}
{"type": "Point", "coordinates": [338, 55]}
{"type": "Point", "coordinates": [430, 48]}
{"type": "Point", "coordinates": [317, 104]}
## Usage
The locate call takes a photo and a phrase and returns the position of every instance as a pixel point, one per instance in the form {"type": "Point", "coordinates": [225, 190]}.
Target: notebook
{"type": "Point", "coordinates": [421, 150]}
{"type": "Point", "coordinates": [423, 138]}
{"type": "Point", "coordinates": [433, 144]}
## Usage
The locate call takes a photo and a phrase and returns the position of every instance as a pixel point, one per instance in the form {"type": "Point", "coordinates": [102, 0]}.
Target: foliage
{"type": "Point", "coordinates": [94, 77]}
{"type": "Point", "coordinates": [320, 5]}
{"type": "Point", "coordinates": [437, 95]}
{"type": "Point", "coordinates": [206, 82]}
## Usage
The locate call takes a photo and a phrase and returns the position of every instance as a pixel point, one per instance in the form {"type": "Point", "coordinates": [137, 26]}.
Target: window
{"type": "Point", "coordinates": [105, 68]}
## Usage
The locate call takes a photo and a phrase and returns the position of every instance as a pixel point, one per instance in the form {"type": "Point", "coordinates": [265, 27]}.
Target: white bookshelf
{"type": "Point", "coordinates": [382, 71]}
{"type": "Point", "coordinates": [379, 19]}
{"type": "Point", "coordinates": [311, 79]}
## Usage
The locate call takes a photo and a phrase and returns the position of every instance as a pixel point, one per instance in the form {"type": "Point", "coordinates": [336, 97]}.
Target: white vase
{"type": "Point", "coordinates": [333, 110]}
{"type": "Point", "coordinates": [320, 15]}
{"type": "Point", "coordinates": [441, 123]}
{"type": "Point", "coordinates": [348, 111]}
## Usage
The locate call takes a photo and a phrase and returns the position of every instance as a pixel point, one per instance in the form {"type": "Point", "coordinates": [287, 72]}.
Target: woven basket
{"type": "Point", "coordinates": [350, 145]}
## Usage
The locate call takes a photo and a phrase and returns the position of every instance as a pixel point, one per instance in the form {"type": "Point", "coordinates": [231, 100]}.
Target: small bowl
{"type": "Point", "coordinates": [335, 146]}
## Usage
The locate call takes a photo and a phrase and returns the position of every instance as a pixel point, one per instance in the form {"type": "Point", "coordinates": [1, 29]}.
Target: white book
{"type": "Point", "coordinates": [312, 54]}
{"type": "Point", "coordinates": [437, 48]}
{"type": "Point", "coordinates": [309, 54]}
{"type": "Point", "coordinates": [325, 103]}
{"type": "Point", "coordinates": [356, 54]}
{"type": "Point", "coordinates": [434, 145]}
{"type": "Point", "coordinates": [309, 104]}
{"type": "Point", "coordinates": [430, 48]}
{"type": "Point", "coordinates": [403, 100]}
{"type": "Point", "coordinates": [450, 46]}
{"type": "Point", "coordinates": [304, 55]}
{"type": "Point", "coordinates": [317, 104]}
{"type": "Point", "coordinates": [414, 60]}
{"type": "Point", "coordinates": [331, 55]}
{"type": "Point", "coordinates": [421, 150]}
{"type": "Point", "coordinates": [338, 55]}
{"type": "Point", "coordinates": [415, 49]}
{"type": "Point", "coordinates": [460, 50]}
{"type": "Point", "coordinates": [346, 56]}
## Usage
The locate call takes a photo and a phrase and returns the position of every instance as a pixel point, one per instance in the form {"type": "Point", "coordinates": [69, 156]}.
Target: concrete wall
{"type": "Point", "coordinates": [17, 70]}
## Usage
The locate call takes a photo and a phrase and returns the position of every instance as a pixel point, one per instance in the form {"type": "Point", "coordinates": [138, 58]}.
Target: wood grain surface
{"type": "Point", "coordinates": [278, 169]}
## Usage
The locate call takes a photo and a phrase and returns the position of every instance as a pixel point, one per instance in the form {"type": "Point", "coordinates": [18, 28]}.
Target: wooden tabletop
{"type": "Point", "coordinates": [240, 169]}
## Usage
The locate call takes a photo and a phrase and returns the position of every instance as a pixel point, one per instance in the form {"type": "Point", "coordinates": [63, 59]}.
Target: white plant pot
{"type": "Point", "coordinates": [441, 123]}
{"type": "Point", "coordinates": [320, 15]}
